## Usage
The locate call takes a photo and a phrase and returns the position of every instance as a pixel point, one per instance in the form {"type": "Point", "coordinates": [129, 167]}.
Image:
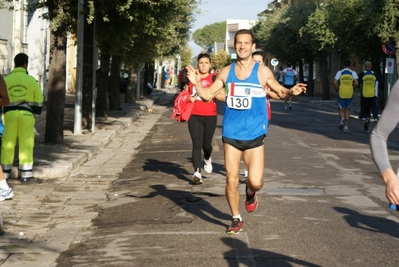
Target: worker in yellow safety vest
{"type": "Point", "coordinates": [26, 101]}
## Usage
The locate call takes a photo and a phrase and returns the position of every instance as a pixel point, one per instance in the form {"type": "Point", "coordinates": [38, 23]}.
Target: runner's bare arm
{"type": "Point", "coordinates": [275, 86]}
{"type": "Point", "coordinates": [221, 96]}
{"type": "Point", "coordinates": [272, 94]}
{"type": "Point", "coordinates": [208, 93]}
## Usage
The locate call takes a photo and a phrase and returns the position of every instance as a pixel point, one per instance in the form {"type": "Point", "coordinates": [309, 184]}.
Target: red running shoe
{"type": "Point", "coordinates": [251, 203]}
{"type": "Point", "coordinates": [235, 227]}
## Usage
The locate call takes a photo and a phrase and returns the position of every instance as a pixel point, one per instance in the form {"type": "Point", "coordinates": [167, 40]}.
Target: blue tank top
{"type": "Point", "coordinates": [289, 78]}
{"type": "Point", "coordinates": [245, 114]}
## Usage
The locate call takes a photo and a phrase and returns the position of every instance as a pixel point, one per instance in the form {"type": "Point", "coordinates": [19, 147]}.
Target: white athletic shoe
{"type": "Point", "coordinates": [197, 178]}
{"type": "Point", "coordinates": [6, 194]}
{"type": "Point", "coordinates": [208, 165]}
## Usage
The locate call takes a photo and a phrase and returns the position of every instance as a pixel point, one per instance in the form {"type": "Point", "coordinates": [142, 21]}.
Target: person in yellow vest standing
{"type": "Point", "coordinates": [5, 191]}
{"type": "Point", "coordinates": [368, 84]}
{"type": "Point", "coordinates": [26, 101]}
{"type": "Point", "coordinates": [345, 82]}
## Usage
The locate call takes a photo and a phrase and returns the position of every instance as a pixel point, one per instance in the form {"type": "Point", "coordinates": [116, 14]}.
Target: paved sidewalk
{"type": "Point", "coordinates": [55, 161]}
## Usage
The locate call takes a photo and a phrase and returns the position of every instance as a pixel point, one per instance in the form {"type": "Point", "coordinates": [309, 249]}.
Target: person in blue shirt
{"type": "Point", "coordinates": [289, 77]}
{"type": "Point", "coordinates": [245, 120]}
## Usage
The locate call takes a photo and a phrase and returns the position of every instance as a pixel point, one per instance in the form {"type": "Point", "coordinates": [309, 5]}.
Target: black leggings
{"type": "Point", "coordinates": [366, 105]}
{"type": "Point", "coordinates": [201, 130]}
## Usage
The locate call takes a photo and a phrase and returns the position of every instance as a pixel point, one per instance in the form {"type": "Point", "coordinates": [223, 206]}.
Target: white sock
{"type": "Point", "coordinates": [237, 216]}
{"type": "Point", "coordinates": [3, 184]}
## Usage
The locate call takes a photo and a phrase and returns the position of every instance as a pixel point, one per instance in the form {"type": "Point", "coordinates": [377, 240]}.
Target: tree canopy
{"type": "Point", "coordinates": [209, 34]}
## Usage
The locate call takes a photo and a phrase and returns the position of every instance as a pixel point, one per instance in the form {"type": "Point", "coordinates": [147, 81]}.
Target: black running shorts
{"type": "Point", "coordinates": [245, 144]}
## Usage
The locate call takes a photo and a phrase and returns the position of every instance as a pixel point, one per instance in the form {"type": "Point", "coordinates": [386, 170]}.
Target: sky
{"type": "Point", "coordinates": [221, 10]}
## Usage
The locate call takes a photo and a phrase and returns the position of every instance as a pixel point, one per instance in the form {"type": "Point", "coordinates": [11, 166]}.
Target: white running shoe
{"type": "Point", "coordinates": [346, 129]}
{"type": "Point", "coordinates": [6, 194]}
{"type": "Point", "coordinates": [208, 165]}
{"type": "Point", "coordinates": [197, 178]}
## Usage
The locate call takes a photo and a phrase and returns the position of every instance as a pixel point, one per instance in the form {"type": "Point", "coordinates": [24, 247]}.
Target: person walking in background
{"type": "Point", "coordinates": [345, 82]}
{"type": "Point", "coordinates": [182, 79]}
{"type": "Point", "coordinates": [5, 191]}
{"type": "Point", "coordinates": [244, 125]}
{"type": "Point", "coordinates": [167, 78]}
{"type": "Point", "coordinates": [368, 82]}
{"type": "Point", "coordinates": [378, 144]}
{"type": "Point", "coordinates": [280, 76]}
{"type": "Point", "coordinates": [203, 119]}
{"type": "Point", "coordinates": [258, 56]}
{"type": "Point", "coordinates": [289, 77]}
{"type": "Point", "coordinates": [26, 101]}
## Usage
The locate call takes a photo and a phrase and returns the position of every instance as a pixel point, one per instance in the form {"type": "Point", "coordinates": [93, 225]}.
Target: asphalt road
{"type": "Point", "coordinates": [323, 202]}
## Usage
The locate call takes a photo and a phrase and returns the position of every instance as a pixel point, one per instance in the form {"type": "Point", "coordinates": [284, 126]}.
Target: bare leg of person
{"type": "Point", "coordinates": [232, 158]}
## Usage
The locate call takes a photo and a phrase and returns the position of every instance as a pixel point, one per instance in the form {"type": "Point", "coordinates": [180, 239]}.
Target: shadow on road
{"type": "Point", "coordinates": [192, 203]}
{"type": "Point", "coordinates": [369, 223]}
{"type": "Point", "coordinates": [241, 255]}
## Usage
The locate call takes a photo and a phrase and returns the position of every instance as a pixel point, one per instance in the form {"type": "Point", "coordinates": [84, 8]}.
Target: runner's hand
{"type": "Point", "coordinates": [193, 75]}
{"type": "Point", "coordinates": [298, 89]}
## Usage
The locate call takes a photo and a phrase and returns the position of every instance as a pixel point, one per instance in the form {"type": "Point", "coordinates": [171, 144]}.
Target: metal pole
{"type": "Point", "coordinates": [159, 74]}
{"type": "Point", "coordinates": [94, 89]}
{"type": "Point", "coordinates": [178, 64]}
{"type": "Point", "coordinates": [79, 70]}
{"type": "Point", "coordinates": [138, 84]}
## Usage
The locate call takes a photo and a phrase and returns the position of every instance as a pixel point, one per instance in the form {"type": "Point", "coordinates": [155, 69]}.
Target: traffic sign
{"type": "Point", "coordinates": [389, 48]}
{"type": "Point", "coordinates": [274, 62]}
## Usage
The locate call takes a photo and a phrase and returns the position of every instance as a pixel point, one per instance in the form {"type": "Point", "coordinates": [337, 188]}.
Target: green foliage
{"type": "Point", "coordinates": [355, 23]}
{"type": "Point", "coordinates": [350, 27]}
{"type": "Point", "coordinates": [387, 24]}
{"type": "Point", "coordinates": [185, 55]}
{"type": "Point", "coordinates": [281, 32]}
{"type": "Point", "coordinates": [220, 60]}
{"type": "Point", "coordinates": [209, 34]}
{"type": "Point", "coordinates": [144, 29]}
{"type": "Point", "coordinates": [319, 35]}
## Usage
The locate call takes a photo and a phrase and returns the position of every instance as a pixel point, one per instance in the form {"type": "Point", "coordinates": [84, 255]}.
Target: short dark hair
{"type": "Point", "coordinates": [244, 31]}
{"type": "Point", "coordinates": [347, 63]}
{"type": "Point", "coordinates": [258, 53]}
{"type": "Point", "coordinates": [204, 55]}
{"type": "Point", "coordinates": [20, 60]}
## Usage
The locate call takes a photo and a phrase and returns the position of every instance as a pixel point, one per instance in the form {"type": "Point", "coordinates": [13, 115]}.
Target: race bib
{"type": "Point", "coordinates": [239, 102]}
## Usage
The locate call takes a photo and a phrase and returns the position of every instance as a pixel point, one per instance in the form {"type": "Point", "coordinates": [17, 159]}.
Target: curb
{"type": "Point", "coordinates": [60, 161]}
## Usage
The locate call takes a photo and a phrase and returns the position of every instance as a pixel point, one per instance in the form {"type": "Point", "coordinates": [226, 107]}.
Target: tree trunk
{"type": "Point", "coordinates": [87, 91]}
{"type": "Point", "coordinates": [145, 80]}
{"type": "Point", "coordinates": [325, 83]}
{"type": "Point", "coordinates": [310, 87]}
{"type": "Point", "coordinates": [114, 84]}
{"type": "Point", "coordinates": [130, 95]}
{"type": "Point", "coordinates": [300, 65]}
{"type": "Point", "coordinates": [54, 132]}
{"type": "Point", "coordinates": [102, 87]}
